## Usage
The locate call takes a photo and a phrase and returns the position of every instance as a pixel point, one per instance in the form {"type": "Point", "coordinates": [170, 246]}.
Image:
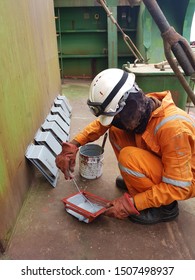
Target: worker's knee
{"type": "Point", "coordinates": [128, 154]}
{"type": "Point", "coordinates": [120, 138]}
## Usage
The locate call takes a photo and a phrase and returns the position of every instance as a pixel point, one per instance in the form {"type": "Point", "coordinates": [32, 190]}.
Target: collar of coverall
{"type": "Point", "coordinates": [156, 104]}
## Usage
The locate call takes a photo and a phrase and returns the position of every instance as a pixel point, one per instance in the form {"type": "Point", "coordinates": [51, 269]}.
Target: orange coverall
{"type": "Point", "coordinates": [158, 166]}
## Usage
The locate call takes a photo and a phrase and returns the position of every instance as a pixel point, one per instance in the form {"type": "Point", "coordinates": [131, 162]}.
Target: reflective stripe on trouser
{"type": "Point", "coordinates": [142, 173]}
{"type": "Point", "coordinates": [133, 161]}
{"type": "Point", "coordinates": [139, 168]}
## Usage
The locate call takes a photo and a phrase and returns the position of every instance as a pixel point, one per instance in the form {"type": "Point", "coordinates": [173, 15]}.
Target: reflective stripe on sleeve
{"type": "Point", "coordinates": [177, 183]}
{"type": "Point", "coordinates": [115, 145]}
{"type": "Point", "coordinates": [171, 118]}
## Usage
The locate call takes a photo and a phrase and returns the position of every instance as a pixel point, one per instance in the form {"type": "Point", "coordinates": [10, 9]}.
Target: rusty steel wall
{"type": "Point", "coordinates": [29, 82]}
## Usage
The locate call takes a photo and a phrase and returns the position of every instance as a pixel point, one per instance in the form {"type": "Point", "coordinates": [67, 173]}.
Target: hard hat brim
{"type": "Point", "coordinates": [105, 120]}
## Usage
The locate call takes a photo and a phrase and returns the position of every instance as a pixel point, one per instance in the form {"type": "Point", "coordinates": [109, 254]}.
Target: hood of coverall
{"type": "Point", "coordinates": [136, 113]}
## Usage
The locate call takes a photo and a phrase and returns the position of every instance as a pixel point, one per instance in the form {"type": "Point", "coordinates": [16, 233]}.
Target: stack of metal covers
{"type": "Point", "coordinates": [48, 139]}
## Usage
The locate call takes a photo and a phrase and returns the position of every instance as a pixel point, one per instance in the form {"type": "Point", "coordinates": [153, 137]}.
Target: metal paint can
{"type": "Point", "coordinates": [91, 161]}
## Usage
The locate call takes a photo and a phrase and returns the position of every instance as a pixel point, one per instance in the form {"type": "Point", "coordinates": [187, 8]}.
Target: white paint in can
{"type": "Point", "coordinates": [91, 161]}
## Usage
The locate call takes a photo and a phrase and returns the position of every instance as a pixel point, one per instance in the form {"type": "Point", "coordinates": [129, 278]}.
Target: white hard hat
{"type": "Point", "coordinates": [108, 92]}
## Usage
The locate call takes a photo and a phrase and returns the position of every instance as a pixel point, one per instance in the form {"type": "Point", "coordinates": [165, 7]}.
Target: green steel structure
{"type": "Point", "coordinates": [88, 41]}
{"type": "Point", "coordinates": [29, 82]}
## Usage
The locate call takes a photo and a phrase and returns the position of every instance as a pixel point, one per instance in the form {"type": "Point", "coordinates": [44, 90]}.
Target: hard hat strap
{"type": "Point", "coordinates": [115, 90]}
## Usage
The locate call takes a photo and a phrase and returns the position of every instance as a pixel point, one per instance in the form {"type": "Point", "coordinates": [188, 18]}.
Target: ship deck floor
{"type": "Point", "coordinates": [44, 231]}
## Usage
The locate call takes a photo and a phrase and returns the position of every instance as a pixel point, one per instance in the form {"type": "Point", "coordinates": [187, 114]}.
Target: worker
{"type": "Point", "coordinates": [154, 143]}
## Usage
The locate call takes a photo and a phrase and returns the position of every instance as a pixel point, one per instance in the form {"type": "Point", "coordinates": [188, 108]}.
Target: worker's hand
{"type": "Point", "coordinates": [121, 207]}
{"type": "Point", "coordinates": [66, 160]}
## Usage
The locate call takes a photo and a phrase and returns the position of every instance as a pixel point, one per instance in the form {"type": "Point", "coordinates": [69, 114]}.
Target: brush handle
{"type": "Point", "coordinates": [104, 141]}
